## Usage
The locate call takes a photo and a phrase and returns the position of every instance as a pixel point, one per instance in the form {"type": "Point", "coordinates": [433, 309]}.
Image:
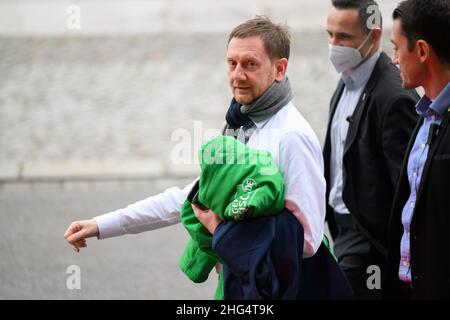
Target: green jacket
{"type": "Point", "coordinates": [236, 182]}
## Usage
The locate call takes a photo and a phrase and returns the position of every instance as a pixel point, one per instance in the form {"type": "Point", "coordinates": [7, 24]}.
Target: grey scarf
{"type": "Point", "coordinates": [269, 103]}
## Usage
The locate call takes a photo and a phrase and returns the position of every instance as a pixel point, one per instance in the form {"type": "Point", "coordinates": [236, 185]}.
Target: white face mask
{"type": "Point", "coordinates": [346, 58]}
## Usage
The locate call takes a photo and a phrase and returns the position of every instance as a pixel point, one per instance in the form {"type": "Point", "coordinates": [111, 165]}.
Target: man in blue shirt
{"type": "Point", "coordinates": [419, 244]}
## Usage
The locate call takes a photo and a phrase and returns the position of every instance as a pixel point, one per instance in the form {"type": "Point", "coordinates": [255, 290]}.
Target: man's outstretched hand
{"type": "Point", "coordinates": [78, 231]}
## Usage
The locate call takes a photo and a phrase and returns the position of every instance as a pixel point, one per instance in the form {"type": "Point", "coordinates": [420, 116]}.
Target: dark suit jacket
{"type": "Point", "coordinates": [263, 259]}
{"type": "Point", "coordinates": [430, 225]}
{"type": "Point", "coordinates": [378, 134]}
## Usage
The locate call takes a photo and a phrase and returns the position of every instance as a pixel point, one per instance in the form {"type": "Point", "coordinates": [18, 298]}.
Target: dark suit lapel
{"type": "Point", "coordinates": [335, 99]}
{"type": "Point", "coordinates": [327, 145]}
{"type": "Point", "coordinates": [356, 120]}
{"type": "Point", "coordinates": [363, 100]}
{"type": "Point", "coordinates": [432, 153]}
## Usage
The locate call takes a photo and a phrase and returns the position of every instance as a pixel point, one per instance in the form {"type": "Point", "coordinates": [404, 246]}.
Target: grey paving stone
{"type": "Point", "coordinates": [35, 256]}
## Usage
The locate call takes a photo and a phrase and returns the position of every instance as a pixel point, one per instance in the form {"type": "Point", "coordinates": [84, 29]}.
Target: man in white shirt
{"type": "Point", "coordinates": [266, 119]}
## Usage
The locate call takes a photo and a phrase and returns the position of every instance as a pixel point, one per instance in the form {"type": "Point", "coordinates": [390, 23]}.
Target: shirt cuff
{"type": "Point", "coordinates": [109, 225]}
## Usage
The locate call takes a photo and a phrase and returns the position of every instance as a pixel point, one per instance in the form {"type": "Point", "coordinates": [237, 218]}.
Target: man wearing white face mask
{"type": "Point", "coordinates": [371, 120]}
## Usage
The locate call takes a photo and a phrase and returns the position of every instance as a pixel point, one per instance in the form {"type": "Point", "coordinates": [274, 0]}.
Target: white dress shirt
{"type": "Point", "coordinates": [355, 82]}
{"type": "Point", "coordinates": [293, 146]}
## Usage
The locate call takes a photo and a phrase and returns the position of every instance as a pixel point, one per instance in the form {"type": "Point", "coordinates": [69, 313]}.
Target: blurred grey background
{"type": "Point", "coordinates": [92, 95]}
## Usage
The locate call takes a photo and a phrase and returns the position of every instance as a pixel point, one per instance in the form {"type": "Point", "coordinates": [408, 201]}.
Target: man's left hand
{"type": "Point", "coordinates": [207, 217]}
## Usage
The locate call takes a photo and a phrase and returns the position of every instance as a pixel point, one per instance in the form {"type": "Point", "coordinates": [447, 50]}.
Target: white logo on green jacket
{"type": "Point", "coordinates": [240, 206]}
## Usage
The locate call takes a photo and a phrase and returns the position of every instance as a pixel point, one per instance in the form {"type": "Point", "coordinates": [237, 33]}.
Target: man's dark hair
{"type": "Point", "coordinates": [276, 37]}
{"type": "Point", "coordinates": [428, 20]}
{"type": "Point", "coordinates": [361, 5]}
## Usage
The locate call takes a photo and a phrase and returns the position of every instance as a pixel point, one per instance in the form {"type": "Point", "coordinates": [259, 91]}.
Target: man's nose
{"type": "Point", "coordinates": [332, 41]}
{"type": "Point", "coordinates": [239, 74]}
{"type": "Point", "coordinates": [395, 59]}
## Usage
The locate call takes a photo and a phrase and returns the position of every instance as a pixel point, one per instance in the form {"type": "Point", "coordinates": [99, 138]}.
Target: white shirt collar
{"type": "Point", "coordinates": [262, 123]}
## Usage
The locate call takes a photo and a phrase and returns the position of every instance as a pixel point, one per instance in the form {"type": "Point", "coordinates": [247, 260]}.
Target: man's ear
{"type": "Point", "coordinates": [281, 68]}
{"type": "Point", "coordinates": [423, 50]}
{"type": "Point", "coordinates": [376, 34]}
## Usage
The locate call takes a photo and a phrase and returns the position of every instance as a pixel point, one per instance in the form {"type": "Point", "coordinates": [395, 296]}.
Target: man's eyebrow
{"type": "Point", "coordinates": [243, 56]}
{"type": "Point", "coordinates": [344, 34]}
{"type": "Point", "coordinates": [250, 56]}
{"type": "Point", "coordinates": [393, 42]}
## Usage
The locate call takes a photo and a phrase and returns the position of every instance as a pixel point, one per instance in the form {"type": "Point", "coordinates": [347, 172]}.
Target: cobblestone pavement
{"type": "Point", "coordinates": [35, 256]}
{"type": "Point", "coordinates": [121, 98]}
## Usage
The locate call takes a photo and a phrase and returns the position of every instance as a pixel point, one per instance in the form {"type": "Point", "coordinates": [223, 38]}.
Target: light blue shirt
{"type": "Point", "coordinates": [355, 82]}
{"type": "Point", "coordinates": [432, 112]}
